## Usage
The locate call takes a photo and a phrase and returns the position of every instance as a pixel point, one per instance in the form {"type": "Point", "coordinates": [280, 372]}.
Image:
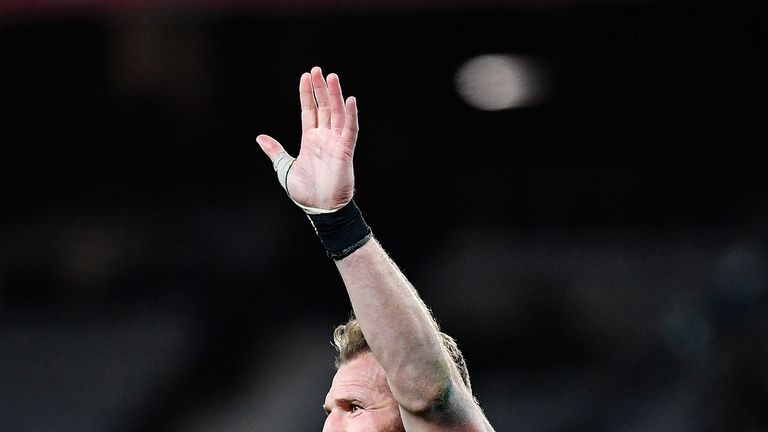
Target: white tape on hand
{"type": "Point", "coordinates": [282, 164]}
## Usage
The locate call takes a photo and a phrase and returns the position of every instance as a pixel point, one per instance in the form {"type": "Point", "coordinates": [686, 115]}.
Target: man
{"type": "Point", "coordinates": [404, 374]}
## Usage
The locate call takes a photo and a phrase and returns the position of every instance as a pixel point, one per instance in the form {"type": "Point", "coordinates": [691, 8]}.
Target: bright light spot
{"type": "Point", "coordinates": [499, 81]}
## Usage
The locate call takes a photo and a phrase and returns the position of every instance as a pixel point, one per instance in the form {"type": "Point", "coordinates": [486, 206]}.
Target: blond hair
{"type": "Point", "coordinates": [349, 341]}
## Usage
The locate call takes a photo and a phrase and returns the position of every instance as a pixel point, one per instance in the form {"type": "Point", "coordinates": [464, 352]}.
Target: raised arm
{"type": "Point", "coordinates": [399, 328]}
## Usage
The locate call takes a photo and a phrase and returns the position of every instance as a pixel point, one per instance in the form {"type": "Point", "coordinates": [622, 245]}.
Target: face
{"type": "Point", "coordinates": [360, 400]}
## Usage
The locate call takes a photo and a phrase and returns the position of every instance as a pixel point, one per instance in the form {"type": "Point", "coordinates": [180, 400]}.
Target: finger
{"type": "Point", "coordinates": [322, 98]}
{"type": "Point", "coordinates": [337, 103]}
{"type": "Point", "coordinates": [281, 161]}
{"type": "Point", "coordinates": [307, 100]}
{"type": "Point", "coordinates": [269, 146]}
{"type": "Point", "coordinates": [349, 133]}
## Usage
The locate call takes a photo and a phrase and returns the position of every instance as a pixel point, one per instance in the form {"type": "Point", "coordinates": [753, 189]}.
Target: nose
{"type": "Point", "coordinates": [334, 422]}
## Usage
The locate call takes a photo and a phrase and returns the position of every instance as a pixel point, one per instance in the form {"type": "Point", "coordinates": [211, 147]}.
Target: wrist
{"type": "Point", "coordinates": [342, 231]}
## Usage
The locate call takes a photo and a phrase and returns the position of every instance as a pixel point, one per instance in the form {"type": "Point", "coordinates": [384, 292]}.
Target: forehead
{"type": "Point", "coordinates": [359, 377]}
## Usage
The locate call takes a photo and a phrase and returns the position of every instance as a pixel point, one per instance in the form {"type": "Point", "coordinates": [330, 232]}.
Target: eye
{"type": "Point", "coordinates": [355, 407]}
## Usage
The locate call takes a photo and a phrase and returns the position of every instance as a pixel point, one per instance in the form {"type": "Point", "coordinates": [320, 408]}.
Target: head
{"type": "Point", "coordinates": [360, 398]}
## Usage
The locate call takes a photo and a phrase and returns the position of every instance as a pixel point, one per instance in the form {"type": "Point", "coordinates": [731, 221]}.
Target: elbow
{"type": "Point", "coordinates": [434, 406]}
{"type": "Point", "coordinates": [424, 395]}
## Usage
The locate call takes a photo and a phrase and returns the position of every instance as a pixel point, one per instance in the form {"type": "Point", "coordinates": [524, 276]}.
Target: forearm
{"type": "Point", "coordinates": [431, 392]}
{"type": "Point", "coordinates": [398, 327]}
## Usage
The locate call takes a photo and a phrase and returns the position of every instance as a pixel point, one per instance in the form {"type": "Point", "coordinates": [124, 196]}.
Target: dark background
{"type": "Point", "coordinates": [600, 257]}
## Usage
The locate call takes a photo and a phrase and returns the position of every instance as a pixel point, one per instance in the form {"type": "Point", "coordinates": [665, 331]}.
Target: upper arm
{"type": "Point", "coordinates": [457, 411]}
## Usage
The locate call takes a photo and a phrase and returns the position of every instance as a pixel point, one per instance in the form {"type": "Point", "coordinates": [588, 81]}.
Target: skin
{"type": "Point", "coordinates": [360, 399]}
{"type": "Point", "coordinates": [404, 339]}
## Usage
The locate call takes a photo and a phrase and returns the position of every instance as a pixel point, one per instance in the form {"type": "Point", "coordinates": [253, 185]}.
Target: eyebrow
{"type": "Point", "coordinates": [343, 402]}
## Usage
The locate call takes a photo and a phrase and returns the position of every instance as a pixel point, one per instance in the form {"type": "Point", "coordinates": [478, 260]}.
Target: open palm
{"type": "Point", "coordinates": [322, 176]}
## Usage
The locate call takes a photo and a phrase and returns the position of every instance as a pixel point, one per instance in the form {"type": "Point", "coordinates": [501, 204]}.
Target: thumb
{"type": "Point", "coordinates": [269, 146]}
{"type": "Point", "coordinates": [281, 161]}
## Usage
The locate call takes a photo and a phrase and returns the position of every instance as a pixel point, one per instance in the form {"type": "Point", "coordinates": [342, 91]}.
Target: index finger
{"type": "Point", "coordinates": [308, 105]}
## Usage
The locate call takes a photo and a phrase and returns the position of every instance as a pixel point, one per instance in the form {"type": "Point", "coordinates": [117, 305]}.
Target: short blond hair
{"type": "Point", "coordinates": [349, 341]}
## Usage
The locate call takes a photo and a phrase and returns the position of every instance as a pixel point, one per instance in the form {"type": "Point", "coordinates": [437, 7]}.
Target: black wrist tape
{"type": "Point", "coordinates": [341, 232]}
